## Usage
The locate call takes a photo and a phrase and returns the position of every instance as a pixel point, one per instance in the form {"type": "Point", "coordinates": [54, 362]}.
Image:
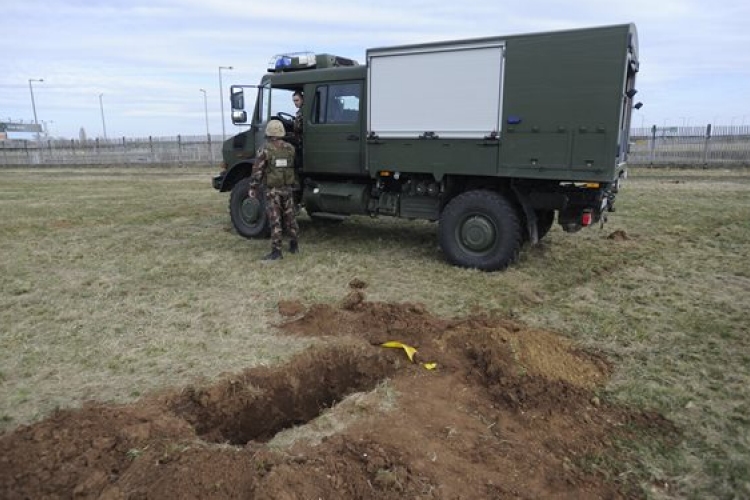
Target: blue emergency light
{"type": "Point", "coordinates": [291, 62]}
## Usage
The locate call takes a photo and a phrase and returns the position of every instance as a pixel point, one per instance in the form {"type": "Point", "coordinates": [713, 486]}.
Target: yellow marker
{"type": "Point", "coordinates": [409, 350]}
{"type": "Point", "coordinates": [430, 366]}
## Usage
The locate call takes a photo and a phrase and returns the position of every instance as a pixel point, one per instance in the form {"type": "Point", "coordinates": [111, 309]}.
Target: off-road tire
{"type": "Point", "coordinates": [480, 229]}
{"type": "Point", "coordinates": [248, 221]}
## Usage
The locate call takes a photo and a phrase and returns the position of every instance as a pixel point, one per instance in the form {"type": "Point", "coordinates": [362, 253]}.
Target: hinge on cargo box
{"type": "Point", "coordinates": [372, 138]}
{"type": "Point", "coordinates": [429, 135]}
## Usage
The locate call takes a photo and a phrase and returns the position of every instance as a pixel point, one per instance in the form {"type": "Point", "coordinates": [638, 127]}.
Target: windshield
{"type": "Point", "coordinates": [274, 101]}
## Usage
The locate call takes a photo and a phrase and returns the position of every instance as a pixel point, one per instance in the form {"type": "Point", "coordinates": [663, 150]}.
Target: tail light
{"type": "Point", "coordinates": [586, 219]}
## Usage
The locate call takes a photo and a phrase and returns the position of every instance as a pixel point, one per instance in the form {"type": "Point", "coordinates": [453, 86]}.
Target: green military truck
{"type": "Point", "coordinates": [491, 137]}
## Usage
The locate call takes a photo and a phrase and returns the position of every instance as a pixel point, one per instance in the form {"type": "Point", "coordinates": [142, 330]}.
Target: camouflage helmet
{"type": "Point", "coordinates": [275, 129]}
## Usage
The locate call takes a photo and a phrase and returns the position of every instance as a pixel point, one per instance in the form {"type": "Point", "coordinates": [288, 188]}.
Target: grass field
{"type": "Point", "coordinates": [119, 282]}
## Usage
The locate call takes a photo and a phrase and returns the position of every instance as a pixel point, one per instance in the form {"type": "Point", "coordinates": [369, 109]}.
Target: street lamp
{"type": "Point", "coordinates": [33, 104]}
{"type": "Point", "coordinates": [46, 127]}
{"type": "Point", "coordinates": [208, 133]}
{"type": "Point", "coordinates": [101, 107]}
{"type": "Point", "coordinates": [221, 98]}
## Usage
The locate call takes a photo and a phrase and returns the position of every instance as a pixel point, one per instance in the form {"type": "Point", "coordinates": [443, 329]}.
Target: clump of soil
{"type": "Point", "coordinates": [289, 308]}
{"type": "Point", "coordinates": [357, 284]}
{"type": "Point", "coordinates": [509, 412]}
{"type": "Point", "coordinates": [618, 235]}
{"type": "Point", "coordinates": [352, 300]}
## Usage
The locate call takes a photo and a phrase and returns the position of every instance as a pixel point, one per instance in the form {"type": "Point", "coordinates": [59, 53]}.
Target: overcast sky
{"type": "Point", "coordinates": [149, 58]}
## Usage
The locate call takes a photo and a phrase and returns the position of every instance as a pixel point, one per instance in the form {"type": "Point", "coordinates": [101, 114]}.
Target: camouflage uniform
{"type": "Point", "coordinates": [274, 167]}
{"type": "Point", "coordinates": [297, 129]}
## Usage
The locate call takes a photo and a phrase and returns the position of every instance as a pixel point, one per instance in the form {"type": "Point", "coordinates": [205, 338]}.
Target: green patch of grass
{"type": "Point", "coordinates": [117, 282]}
{"type": "Point", "coordinates": [669, 305]}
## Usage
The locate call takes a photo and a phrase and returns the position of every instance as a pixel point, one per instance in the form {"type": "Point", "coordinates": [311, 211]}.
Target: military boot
{"type": "Point", "coordinates": [293, 246]}
{"type": "Point", "coordinates": [274, 255]}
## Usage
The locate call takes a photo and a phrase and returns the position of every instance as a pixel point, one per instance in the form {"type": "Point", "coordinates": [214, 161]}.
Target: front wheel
{"type": "Point", "coordinates": [248, 214]}
{"type": "Point", "coordinates": [480, 229]}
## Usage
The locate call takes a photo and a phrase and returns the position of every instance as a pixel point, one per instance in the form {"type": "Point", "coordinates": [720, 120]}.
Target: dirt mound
{"type": "Point", "coordinates": [290, 308]}
{"type": "Point", "coordinates": [508, 412]}
{"type": "Point", "coordinates": [618, 235]}
{"type": "Point", "coordinates": [358, 284]}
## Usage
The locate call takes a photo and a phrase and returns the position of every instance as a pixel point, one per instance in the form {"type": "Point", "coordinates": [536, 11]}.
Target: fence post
{"type": "Point", "coordinates": [179, 150]}
{"type": "Point", "coordinates": [706, 145]}
{"type": "Point", "coordinates": [653, 145]}
{"type": "Point", "coordinates": [210, 153]}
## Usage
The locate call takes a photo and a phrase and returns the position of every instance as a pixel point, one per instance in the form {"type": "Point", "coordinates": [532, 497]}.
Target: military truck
{"type": "Point", "coordinates": [491, 137]}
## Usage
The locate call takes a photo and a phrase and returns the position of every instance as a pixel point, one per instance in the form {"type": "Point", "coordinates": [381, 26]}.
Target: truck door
{"type": "Point", "coordinates": [333, 133]}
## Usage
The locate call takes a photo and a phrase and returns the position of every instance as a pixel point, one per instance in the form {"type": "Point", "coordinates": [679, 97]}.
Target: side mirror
{"type": "Point", "coordinates": [237, 99]}
{"type": "Point", "coordinates": [239, 116]}
{"type": "Point", "coordinates": [638, 105]}
{"type": "Point", "coordinates": [631, 93]}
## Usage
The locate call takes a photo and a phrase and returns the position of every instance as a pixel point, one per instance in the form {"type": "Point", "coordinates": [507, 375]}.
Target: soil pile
{"type": "Point", "coordinates": [505, 412]}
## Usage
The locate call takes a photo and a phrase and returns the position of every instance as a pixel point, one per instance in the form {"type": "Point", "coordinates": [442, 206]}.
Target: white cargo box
{"type": "Point", "coordinates": [450, 90]}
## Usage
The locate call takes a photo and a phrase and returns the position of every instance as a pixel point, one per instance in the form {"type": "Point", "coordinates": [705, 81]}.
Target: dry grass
{"type": "Point", "coordinates": [117, 282]}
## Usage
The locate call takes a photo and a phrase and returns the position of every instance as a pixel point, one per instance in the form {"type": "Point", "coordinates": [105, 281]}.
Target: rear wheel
{"type": "Point", "coordinates": [480, 229]}
{"type": "Point", "coordinates": [248, 214]}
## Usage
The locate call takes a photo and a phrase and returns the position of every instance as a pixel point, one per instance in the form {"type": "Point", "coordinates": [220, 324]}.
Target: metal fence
{"type": "Point", "coordinates": [180, 150]}
{"type": "Point", "coordinates": [710, 146]}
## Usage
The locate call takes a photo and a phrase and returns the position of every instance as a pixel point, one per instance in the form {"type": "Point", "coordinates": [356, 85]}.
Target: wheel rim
{"type": "Point", "coordinates": [250, 212]}
{"type": "Point", "coordinates": [477, 233]}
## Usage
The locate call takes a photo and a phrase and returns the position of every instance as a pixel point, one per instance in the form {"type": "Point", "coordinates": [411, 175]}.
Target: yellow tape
{"type": "Point", "coordinates": [409, 350]}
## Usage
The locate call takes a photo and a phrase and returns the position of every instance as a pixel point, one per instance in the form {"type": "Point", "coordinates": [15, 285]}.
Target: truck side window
{"type": "Point", "coordinates": [343, 103]}
{"type": "Point", "coordinates": [337, 103]}
{"type": "Point", "coordinates": [319, 105]}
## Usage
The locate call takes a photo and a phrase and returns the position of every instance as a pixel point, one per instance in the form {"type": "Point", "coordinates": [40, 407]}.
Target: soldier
{"type": "Point", "coordinates": [298, 100]}
{"type": "Point", "coordinates": [274, 167]}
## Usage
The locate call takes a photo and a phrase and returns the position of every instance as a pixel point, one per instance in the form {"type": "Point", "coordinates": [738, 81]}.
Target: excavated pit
{"type": "Point", "coordinates": [260, 403]}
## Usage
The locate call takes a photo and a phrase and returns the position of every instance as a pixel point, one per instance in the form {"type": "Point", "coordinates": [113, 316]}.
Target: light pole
{"type": "Point", "coordinates": [221, 98]}
{"type": "Point", "coordinates": [208, 133]}
{"type": "Point", "coordinates": [46, 127]}
{"type": "Point", "coordinates": [33, 104]}
{"type": "Point", "coordinates": [101, 107]}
